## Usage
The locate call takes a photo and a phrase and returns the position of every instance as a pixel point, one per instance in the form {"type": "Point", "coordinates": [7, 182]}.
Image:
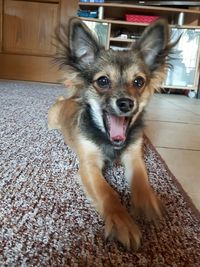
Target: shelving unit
{"type": "Point", "coordinates": [111, 9]}
{"type": "Point", "coordinates": [114, 19]}
{"type": "Point", "coordinates": [114, 14]}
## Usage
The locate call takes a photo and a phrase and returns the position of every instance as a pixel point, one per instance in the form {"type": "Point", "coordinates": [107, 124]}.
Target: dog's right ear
{"type": "Point", "coordinates": [83, 44]}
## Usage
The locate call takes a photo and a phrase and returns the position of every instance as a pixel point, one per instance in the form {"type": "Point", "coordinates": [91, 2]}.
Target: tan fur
{"type": "Point", "coordinates": [144, 200]}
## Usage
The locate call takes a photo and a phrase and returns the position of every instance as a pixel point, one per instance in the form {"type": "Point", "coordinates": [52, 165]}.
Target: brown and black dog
{"type": "Point", "coordinates": [102, 117]}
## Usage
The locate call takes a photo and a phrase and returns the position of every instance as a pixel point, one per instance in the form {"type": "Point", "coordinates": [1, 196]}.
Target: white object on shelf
{"type": "Point", "coordinates": [192, 94]}
{"type": "Point", "coordinates": [101, 12]}
{"type": "Point", "coordinates": [181, 18]}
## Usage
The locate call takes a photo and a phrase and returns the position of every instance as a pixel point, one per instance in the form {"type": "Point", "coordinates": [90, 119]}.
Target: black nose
{"type": "Point", "coordinates": [124, 104]}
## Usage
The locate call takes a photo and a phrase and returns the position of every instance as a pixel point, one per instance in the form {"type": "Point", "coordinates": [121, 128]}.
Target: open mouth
{"type": "Point", "coordinates": [116, 127]}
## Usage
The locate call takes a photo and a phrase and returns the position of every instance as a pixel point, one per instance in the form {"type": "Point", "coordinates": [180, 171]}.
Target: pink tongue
{"type": "Point", "coordinates": [117, 127]}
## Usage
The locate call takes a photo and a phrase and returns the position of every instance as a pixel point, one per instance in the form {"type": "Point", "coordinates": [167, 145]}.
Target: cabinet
{"type": "Point", "coordinates": [27, 43]}
{"type": "Point", "coordinates": [28, 27]}
{"type": "Point", "coordinates": [185, 74]}
{"type": "Point", "coordinates": [185, 61]}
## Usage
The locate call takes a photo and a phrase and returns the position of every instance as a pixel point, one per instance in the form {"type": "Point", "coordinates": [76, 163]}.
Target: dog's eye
{"type": "Point", "coordinates": [138, 82]}
{"type": "Point", "coordinates": [103, 82]}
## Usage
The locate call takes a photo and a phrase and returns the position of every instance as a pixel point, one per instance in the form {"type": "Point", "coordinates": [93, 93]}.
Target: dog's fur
{"type": "Point", "coordinates": [102, 117]}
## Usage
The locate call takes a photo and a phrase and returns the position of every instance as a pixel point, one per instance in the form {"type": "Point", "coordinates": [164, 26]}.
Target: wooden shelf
{"type": "Point", "coordinates": [117, 39]}
{"type": "Point", "coordinates": [121, 22]}
{"type": "Point", "coordinates": [118, 11]}
{"type": "Point", "coordinates": [155, 9]}
{"type": "Point", "coordinates": [186, 87]}
{"type": "Point", "coordinates": [113, 21]}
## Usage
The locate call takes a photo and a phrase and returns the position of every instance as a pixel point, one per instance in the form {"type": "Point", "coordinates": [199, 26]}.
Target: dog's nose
{"type": "Point", "coordinates": [125, 104]}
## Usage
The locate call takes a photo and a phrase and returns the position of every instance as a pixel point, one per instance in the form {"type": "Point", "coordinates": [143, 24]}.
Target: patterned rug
{"type": "Point", "coordinates": [45, 219]}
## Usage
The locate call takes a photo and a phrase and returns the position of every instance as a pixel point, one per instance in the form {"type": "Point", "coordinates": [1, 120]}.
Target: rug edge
{"type": "Point", "coordinates": [188, 199]}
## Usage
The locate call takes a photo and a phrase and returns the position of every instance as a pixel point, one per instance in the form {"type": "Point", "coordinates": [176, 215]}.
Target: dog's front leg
{"type": "Point", "coordinates": [145, 202]}
{"type": "Point", "coordinates": [118, 223]}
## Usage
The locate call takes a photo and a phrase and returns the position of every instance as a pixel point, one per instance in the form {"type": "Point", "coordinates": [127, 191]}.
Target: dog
{"type": "Point", "coordinates": [101, 118]}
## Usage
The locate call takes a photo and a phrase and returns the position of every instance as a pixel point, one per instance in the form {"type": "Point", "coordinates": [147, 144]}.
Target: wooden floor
{"type": "Point", "coordinates": [173, 126]}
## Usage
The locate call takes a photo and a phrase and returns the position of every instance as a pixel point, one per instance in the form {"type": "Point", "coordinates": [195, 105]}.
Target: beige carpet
{"type": "Point", "coordinates": [45, 219]}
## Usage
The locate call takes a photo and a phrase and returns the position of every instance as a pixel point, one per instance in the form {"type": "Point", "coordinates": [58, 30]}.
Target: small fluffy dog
{"type": "Point", "coordinates": [102, 117]}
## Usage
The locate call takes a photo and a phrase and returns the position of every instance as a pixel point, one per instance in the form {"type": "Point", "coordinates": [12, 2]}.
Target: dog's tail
{"type": "Point", "coordinates": [54, 114]}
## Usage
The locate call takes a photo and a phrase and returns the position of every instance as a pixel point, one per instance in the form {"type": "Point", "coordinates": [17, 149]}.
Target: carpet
{"type": "Point", "coordinates": [45, 219]}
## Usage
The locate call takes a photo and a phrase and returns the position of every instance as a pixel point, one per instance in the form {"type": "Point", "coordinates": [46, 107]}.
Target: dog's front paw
{"type": "Point", "coordinates": [119, 225]}
{"type": "Point", "coordinates": [148, 206]}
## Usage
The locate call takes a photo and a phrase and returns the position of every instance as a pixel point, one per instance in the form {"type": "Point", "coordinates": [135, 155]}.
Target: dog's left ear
{"type": "Point", "coordinates": [153, 44]}
{"type": "Point", "coordinates": [84, 46]}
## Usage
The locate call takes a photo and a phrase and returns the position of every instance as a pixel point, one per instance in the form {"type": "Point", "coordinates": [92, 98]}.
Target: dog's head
{"type": "Point", "coordinates": [116, 85]}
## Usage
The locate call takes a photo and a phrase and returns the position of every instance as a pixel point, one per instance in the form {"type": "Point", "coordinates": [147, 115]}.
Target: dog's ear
{"type": "Point", "coordinates": [83, 44]}
{"type": "Point", "coordinates": [154, 44]}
